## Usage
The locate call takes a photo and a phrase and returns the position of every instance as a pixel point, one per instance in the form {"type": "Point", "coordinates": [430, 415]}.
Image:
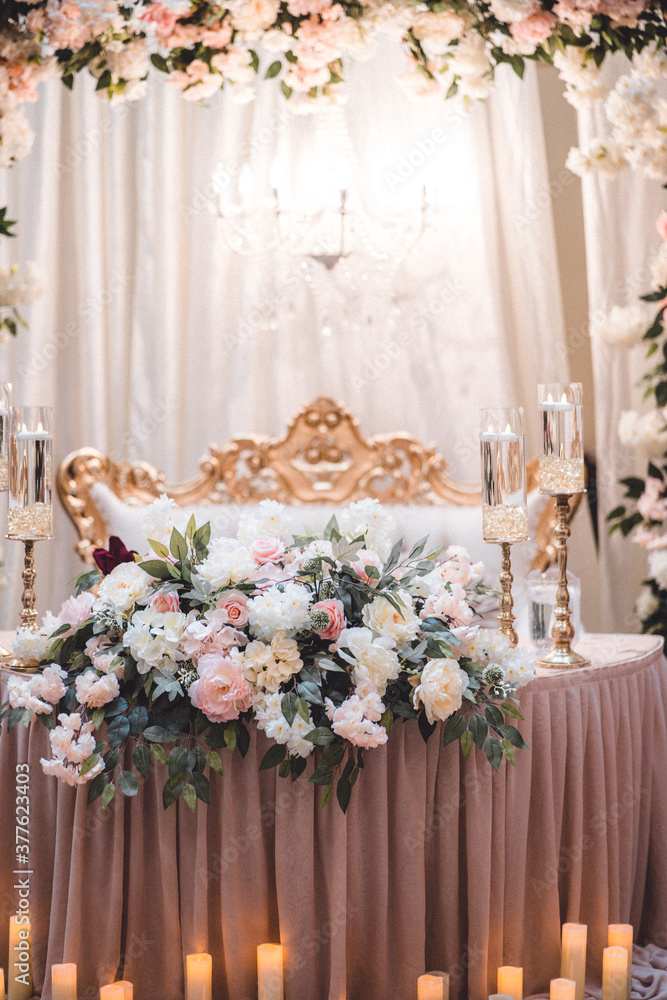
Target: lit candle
{"type": "Point", "coordinates": [562, 405]}
{"type": "Point", "coordinates": [2, 984]}
{"type": "Point", "coordinates": [63, 981]}
{"type": "Point", "coordinates": [127, 987]}
{"type": "Point", "coordinates": [445, 983]}
{"type": "Point", "coordinates": [510, 981]}
{"type": "Point", "coordinates": [499, 996]}
{"type": "Point", "coordinates": [30, 474]}
{"type": "Point", "coordinates": [199, 974]}
{"type": "Point", "coordinates": [112, 992]}
{"type": "Point", "coordinates": [622, 935]}
{"type": "Point", "coordinates": [19, 977]}
{"type": "Point", "coordinates": [561, 438]}
{"type": "Point", "coordinates": [573, 956]}
{"type": "Point", "coordinates": [270, 972]}
{"type": "Point", "coordinates": [430, 987]}
{"type": "Point", "coordinates": [562, 989]}
{"type": "Point", "coordinates": [614, 973]}
{"type": "Point", "coordinates": [502, 452]}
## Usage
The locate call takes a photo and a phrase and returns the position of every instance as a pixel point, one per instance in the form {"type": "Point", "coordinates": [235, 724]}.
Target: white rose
{"type": "Point", "coordinates": [441, 689]}
{"type": "Point", "coordinates": [399, 626]}
{"type": "Point", "coordinates": [657, 567]}
{"type": "Point", "coordinates": [647, 603]}
{"type": "Point", "coordinates": [373, 660]}
{"type": "Point", "coordinates": [509, 11]}
{"type": "Point", "coordinates": [126, 585]}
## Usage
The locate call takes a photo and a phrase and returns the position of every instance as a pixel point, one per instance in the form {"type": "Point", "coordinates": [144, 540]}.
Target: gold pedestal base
{"type": "Point", "coordinates": [563, 659]}
{"type": "Point", "coordinates": [562, 656]}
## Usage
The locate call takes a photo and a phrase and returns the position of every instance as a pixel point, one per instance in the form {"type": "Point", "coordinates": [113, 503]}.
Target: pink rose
{"type": "Point", "coordinates": [267, 549]}
{"type": "Point", "coordinates": [166, 602]}
{"type": "Point", "coordinates": [235, 606]}
{"type": "Point", "coordinates": [365, 557]}
{"type": "Point", "coordinates": [336, 618]}
{"type": "Point", "coordinates": [76, 609]}
{"type": "Point", "coordinates": [533, 30]}
{"type": "Point", "coordinates": [222, 692]}
{"type": "Point", "coordinates": [661, 225]}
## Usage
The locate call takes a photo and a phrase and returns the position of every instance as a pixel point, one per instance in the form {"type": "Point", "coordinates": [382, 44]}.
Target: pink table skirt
{"type": "Point", "coordinates": [439, 864]}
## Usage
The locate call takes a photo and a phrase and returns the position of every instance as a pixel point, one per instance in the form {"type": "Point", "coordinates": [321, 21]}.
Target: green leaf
{"type": "Point", "coordinates": [141, 758]}
{"type": "Point", "coordinates": [104, 81]}
{"type": "Point", "coordinates": [343, 792]}
{"type": "Point", "coordinates": [159, 754]}
{"type": "Point", "coordinates": [178, 545]}
{"type": "Point", "coordinates": [327, 797]}
{"type": "Point", "coordinates": [387, 720]}
{"type": "Point", "coordinates": [172, 790]}
{"type": "Point", "coordinates": [178, 761]}
{"type": "Point", "coordinates": [161, 550]}
{"type": "Point", "coordinates": [138, 719]}
{"type": "Point", "coordinates": [127, 783]}
{"type": "Point", "coordinates": [284, 769]}
{"type": "Point", "coordinates": [426, 728]}
{"type": "Point", "coordinates": [159, 62]}
{"type": "Point", "coordinates": [273, 70]}
{"type": "Point", "coordinates": [98, 718]}
{"type": "Point", "coordinates": [493, 751]}
{"type": "Point", "coordinates": [616, 512]}
{"type": "Point", "coordinates": [302, 708]}
{"type": "Point", "coordinates": [297, 766]}
{"type": "Point", "coordinates": [512, 734]}
{"type": "Point", "coordinates": [321, 736]}
{"type": "Point", "coordinates": [287, 91]}
{"type": "Point", "coordinates": [214, 762]}
{"type": "Point", "coordinates": [274, 755]}
{"type": "Point", "coordinates": [157, 569]}
{"type": "Point", "coordinates": [311, 692]}
{"type": "Point", "coordinates": [108, 794]}
{"type": "Point", "coordinates": [454, 728]}
{"type": "Point", "coordinates": [634, 487]}
{"type": "Point", "coordinates": [190, 796]}
{"type": "Point", "coordinates": [478, 728]}
{"type": "Point", "coordinates": [321, 776]}
{"type": "Point", "coordinates": [509, 708]}
{"type": "Point", "coordinates": [111, 760]}
{"type": "Point", "coordinates": [96, 787]}
{"type": "Point", "coordinates": [334, 754]}
{"type": "Point", "coordinates": [289, 705]}
{"type": "Point", "coordinates": [466, 743]}
{"type": "Point", "coordinates": [157, 734]}
{"type": "Point", "coordinates": [46, 719]}
{"type": "Point", "coordinates": [494, 716]}
{"type": "Point", "coordinates": [508, 751]}
{"type": "Point", "coordinates": [202, 786]}
{"type": "Point", "coordinates": [89, 763]}
{"type": "Point", "coordinates": [230, 738]}
{"type": "Point", "coordinates": [191, 528]}
{"type": "Point", "coordinates": [118, 731]}
{"type": "Point", "coordinates": [242, 739]}
{"type": "Point", "coordinates": [655, 471]}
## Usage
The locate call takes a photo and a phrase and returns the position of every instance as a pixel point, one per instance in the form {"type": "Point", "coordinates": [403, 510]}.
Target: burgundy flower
{"type": "Point", "coordinates": [108, 559]}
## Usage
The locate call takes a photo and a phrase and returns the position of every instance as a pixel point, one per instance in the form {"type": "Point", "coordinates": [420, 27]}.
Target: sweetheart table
{"type": "Point", "coordinates": [439, 863]}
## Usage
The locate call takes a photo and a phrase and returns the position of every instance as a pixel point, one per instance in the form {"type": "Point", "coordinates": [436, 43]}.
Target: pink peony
{"type": "Point", "coordinates": [299, 8]}
{"type": "Point", "coordinates": [162, 17]}
{"type": "Point", "coordinates": [75, 610]}
{"type": "Point", "coordinates": [234, 604]}
{"type": "Point", "coordinates": [365, 557]}
{"type": "Point", "coordinates": [166, 602]}
{"type": "Point", "coordinates": [661, 225]}
{"type": "Point", "coordinates": [533, 30]}
{"type": "Point", "coordinates": [267, 550]}
{"type": "Point", "coordinates": [336, 614]}
{"type": "Point", "coordinates": [222, 692]}
{"type": "Point", "coordinates": [448, 604]}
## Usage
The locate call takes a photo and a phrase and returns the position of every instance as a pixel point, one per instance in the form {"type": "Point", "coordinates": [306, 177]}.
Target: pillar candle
{"type": "Point", "coordinates": [128, 988]}
{"type": "Point", "coordinates": [112, 991]}
{"type": "Point", "coordinates": [19, 974]}
{"type": "Point", "coordinates": [63, 981]}
{"type": "Point", "coordinates": [445, 983]}
{"type": "Point", "coordinates": [199, 975]}
{"type": "Point", "coordinates": [510, 981]}
{"type": "Point", "coordinates": [622, 934]}
{"type": "Point", "coordinates": [562, 989]}
{"type": "Point", "coordinates": [2, 984]}
{"type": "Point", "coordinates": [499, 996]}
{"type": "Point", "coordinates": [614, 973]}
{"type": "Point", "coordinates": [573, 956]}
{"type": "Point", "coordinates": [430, 987]}
{"type": "Point", "coordinates": [270, 972]}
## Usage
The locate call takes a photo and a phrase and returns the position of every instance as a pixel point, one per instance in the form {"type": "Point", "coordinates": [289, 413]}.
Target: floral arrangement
{"type": "Point", "coordinates": [325, 643]}
{"type": "Point", "coordinates": [16, 288]}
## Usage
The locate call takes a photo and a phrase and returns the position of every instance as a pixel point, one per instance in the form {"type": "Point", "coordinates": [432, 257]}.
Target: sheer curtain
{"type": "Point", "coordinates": [621, 242]}
{"type": "Point", "coordinates": [152, 340]}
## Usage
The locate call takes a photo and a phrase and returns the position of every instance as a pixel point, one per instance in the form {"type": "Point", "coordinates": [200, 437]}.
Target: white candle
{"type": "Point", "coordinates": [270, 972]}
{"type": "Point", "coordinates": [112, 991]}
{"type": "Point", "coordinates": [2, 984]}
{"type": "Point", "coordinates": [445, 982]}
{"type": "Point", "coordinates": [562, 989]}
{"type": "Point", "coordinates": [551, 404]}
{"type": "Point", "coordinates": [127, 987]}
{"type": "Point", "coordinates": [510, 981]}
{"type": "Point", "coordinates": [573, 956]}
{"type": "Point", "coordinates": [614, 973]}
{"type": "Point", "coordinates": [499, 996]}
{"type": "Point", "coordinates": [430, 987]}
{"type": "Point", "coordinates": [19, 974]}
{"type": "Point", "coordinates": [32, 436]}
{"type": "Point", "coordinates": [199, 975]}
{"type": "Point", "coordinates": [63, 981]}
{"type": "Point", "coordinates": [622, 934]}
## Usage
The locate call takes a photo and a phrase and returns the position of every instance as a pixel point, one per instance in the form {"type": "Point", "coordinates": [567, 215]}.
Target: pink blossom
{"type": "Point", "coordinates": [652, 504]}
{"type": "Point", "coordinates": [365, 557]}
{"type": "Point", "coordinates": [661, 225]}
{"type": "Point", "coordinates": [218, 36]}
{"type": "Point", "coordinates": [355, 719]}
{"type": "Point", "coordinates": [299, 8]}
{"type": "Point", "coordinates": [95, 692]}
{"type": "Point", "coordinates": [336, 613]}
{"type": "Point", "coordinates": [533, 30]}
{"type": "Point", "coordinates": [267, 550]}
{"type": "Point", "coordinates": [449, 604]}
{"type": "Point", "coordinates": [222, 692]}
{"type": "Point", "coordinates": [166, 602]}
{"type": "Point", "coordinates": [162, 17]}
{"type": "Point", "coordinates": [235, 606]}
{"type": "Point", "coordinates": [650, 539]}
{"type": "Point", "coordinates": [76, 610]}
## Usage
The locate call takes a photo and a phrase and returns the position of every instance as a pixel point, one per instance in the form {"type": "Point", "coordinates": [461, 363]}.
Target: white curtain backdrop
{"type": "Point", "coordinates": [152, 340]}
{"type": "Point", "coordinates": [621, 242]}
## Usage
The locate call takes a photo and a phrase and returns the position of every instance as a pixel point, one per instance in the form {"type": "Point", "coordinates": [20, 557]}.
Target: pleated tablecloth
{"type": "Point", "coordinates": [439, 863]}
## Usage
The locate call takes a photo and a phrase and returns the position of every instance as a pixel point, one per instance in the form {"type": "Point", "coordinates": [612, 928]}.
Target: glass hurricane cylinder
{"type": "Point", "coordinates": [5, 425]}
{"type": "Point", "coordinates": [30, 474]}
{"type": "Point", "coordinates": [561, 413]}
{"type": "Point", "coordinates": [502, 448]}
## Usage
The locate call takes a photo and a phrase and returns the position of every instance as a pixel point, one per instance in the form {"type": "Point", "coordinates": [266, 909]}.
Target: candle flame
{"type": "Point", "coordinates": [550, 398]}
{"type": "Point", "coordinates": [508, 429]}
{"type": "Point", "coordinates": [563, 398]}
{"type": "Point", "coordinates": [40, 429]}
{"type": "Point", "coordinates": [490, 430]}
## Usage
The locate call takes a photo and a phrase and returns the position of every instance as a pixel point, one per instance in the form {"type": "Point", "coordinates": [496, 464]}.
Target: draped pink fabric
{"type": "Point", "coordinates": [439, 863]}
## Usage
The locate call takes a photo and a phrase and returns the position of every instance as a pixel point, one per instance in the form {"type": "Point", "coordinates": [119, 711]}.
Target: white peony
{"type": "Point", "coordinates": [368, 517]}
{"type": "Point", "coordinates": [384, 620]}
{"type": "Point", "coordinates": [158, 519]}
{"type": "Point", "coordinates": [267, 518]}
{"type": "Point", "coordinates": [647, 431]}
{"type": "Point", "coordinates": [441, 689]}
{"type": "Point", "coordinates": [512, 10]}
{"type": "Point", "coordinates": [622, 327]}
{"type": "Point", "coordinates": [281, 608]}
{"type": "Point", "coordinates": [253, 16]}
{"type": "Point", "coordinates": [126, 585]}
{"type": "Point", "coordinates": [268, 666]}
{"type": "Point", "coordinates": [372, 659]}
{"type": "Point", "coordinates": [32, 647]}
{"type": "Point", "coordinates": [228, 562]}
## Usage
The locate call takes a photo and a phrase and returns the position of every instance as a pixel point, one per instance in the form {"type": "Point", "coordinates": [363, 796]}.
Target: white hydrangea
{"type": "Point", "coordinates": [651, 62]}
{"type": "Point", "coordinates": [281, 608]}
{"type": "Point", "coordinates": [599, 156]}
{"type": "Point", "coordinates": [158, 519]}
{"type": "Point", "coordinates": [228, 562]}
{"type": "Point", "coordinates": [583, 79]}
{"type": "Point", "coordinates": [368, 517]}
{"type": "Point", "coordinates": [518, 664]}
{"type": "Point", "coordinates": [646, 431]}
{"type": "Point", "coordinates": [657, 567]}
{"type": "Point", "coordinates": [647, 603]}
{"type": "Point", "coordinates": [487, 646]}
{"type": "Point", "coordinates": [153, 639]}
{"type": "Point", "coordinates": [32, 647]}
{"type": "Point", "coordinates": [269, 717]}
{"type": "Point", "coordinates": [372, 659]}
{"type": "Point", "coordinates": [624, 327]}
{"type": "Point", "coordinates": [267, 518]}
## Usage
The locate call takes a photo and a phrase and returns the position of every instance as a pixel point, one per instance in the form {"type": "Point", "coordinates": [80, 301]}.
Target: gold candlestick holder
{"type": "Point", "coordinates": [506, 616]}
{"type": "Point", "coordinates": [28, 613]}
{"type": "Point", "coordinates": [562, 656]}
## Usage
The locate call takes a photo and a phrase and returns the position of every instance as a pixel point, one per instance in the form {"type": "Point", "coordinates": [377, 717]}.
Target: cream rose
{"type": "Point", "coordinates": [441, 689]}
{"type": "Point", "coordinates": [126, 585]}
{"type": "Point", "coordinates": [384, 620]}
{"type": "Point", "coordinates": [270, 666]}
